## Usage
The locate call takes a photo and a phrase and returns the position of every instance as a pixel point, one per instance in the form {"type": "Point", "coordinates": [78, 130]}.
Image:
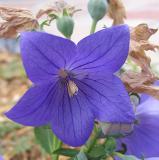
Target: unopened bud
{"type": "Point", "coordinates": [65, 25]}
{"type": "Point", "coordinates": [97, 9]}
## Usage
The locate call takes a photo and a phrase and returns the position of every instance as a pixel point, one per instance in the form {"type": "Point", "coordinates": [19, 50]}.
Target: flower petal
{"type": "Point", "coordinates": [144, 96]}
{"type": "Point", "coordinates": [34, 108]}
{"type": "Point", "coordinates": [151, 158]}
{"type": "Point", "coordinates": [44, 54]}
{"type": "Point", "coordinates": [105, 50]}
{"type": "Point", "coordinates": [107, 97]}
{"type": "Point", "coordinates": [72, 120]}
{"type": "Point", "coordinates": [147, 129]}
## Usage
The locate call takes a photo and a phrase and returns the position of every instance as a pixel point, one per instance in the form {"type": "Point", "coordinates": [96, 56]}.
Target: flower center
{"type": "Point", "coordinates": [71, 85]}
{"type": "Point", "coordinates": [63, 73]}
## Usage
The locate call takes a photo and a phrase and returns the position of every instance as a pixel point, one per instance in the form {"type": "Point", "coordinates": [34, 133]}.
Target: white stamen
{"type": "Point", "coordinates": [72, 88]}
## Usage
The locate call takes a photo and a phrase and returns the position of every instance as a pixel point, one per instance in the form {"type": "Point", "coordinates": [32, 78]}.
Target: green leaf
{"type": "Point", "coordinates": [97, 152]}
{"type": "Point", "coordinates": [44, 23]}
{"type": "Point", "coordinates": [80, 156]}
{"type": "Point", "coordinates": [52, 15]}
{"type": "Point", "coordinates": [67, 152]}
{"type": "Point", "coordinates": [128, 157]}
{"type": "Point", "coordinates": [125, 157]}
{"type": "Point", "coordinates": [47, 140]}
{"type": "Point", "coordinates": [110, 145]}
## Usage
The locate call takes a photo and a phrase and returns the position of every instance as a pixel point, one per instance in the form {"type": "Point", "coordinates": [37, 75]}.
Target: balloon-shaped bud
{"type": "Point", "coordinates": [65, 25]}
{"type": "Point", "coordinates": [97, 9]}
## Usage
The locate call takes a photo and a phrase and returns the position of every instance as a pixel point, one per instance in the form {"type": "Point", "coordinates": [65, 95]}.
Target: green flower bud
{"type": "Point", "coordinates": [97, 9]}
{"type": "Point", "coordinates": [65, 25]}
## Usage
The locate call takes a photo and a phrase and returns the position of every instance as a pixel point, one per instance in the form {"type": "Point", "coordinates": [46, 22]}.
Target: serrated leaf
{"type": "Point", "coordinates": [66, 152]}
{"type": "Point", "coordinates": [47, 139]}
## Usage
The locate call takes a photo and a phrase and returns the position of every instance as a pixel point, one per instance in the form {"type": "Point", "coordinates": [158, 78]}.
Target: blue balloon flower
{"type": "Point", "coordinates": [74, 84]}
{"type": "Point", "coordinates": [143, 141]}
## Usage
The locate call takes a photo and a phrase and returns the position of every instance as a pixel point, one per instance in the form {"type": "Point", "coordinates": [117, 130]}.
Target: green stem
{"type": "Point", "coordinates": [69, 38]}
{"type": "Point", "coordinates": [54, 157]}
{"type": "Point", "coordinates": [92, 141]}
{"type": "Point", "coordinates": [58, 145]}
{"type": "Point", "coordinates": [120, 155]}
{"type": "Point", "coordinates": [93, 27]}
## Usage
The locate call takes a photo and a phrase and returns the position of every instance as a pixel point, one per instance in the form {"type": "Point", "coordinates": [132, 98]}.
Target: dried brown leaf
{"type": "Point", "coordinates": [147, 46]}
{"type": "Point", "coordinates": [139, 57]}
{"type": "Point", "coordinates": [141, 83]}
{"type": "Point", "coordinates": [116, 11]}
{"type": "Point", "coordinates": [142, 32]}
{"type": "Point", "coordinates": [58, 7]}
{"type": "Point", "coordinates": [150, 89]}
{"type": "Point", "coordinates": [139, 44]}
{"type": "Point", "coordinates": [16, 20]}
{"type": "Point", "coordinates": [45, 11]}
{"type": "Point", "coordinates": [132, 79]}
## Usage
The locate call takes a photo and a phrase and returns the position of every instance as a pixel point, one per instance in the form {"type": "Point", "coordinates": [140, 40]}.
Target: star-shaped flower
{"type": "Point", "coordinates": [74, 84]}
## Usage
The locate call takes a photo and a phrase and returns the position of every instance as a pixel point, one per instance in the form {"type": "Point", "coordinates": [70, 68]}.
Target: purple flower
{"type": "Point", "coordinates": [144, 139]}
{"type": "Point", "coordinates": [1, 158]}
{"type": "Point", "coordinates": [74, 84]}
{"type": "Point", "coordinates": [152, 158]}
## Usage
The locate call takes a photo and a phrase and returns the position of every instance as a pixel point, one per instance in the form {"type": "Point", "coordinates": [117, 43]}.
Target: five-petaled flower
{"type": "Point", "coordinates": [74, 84]}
